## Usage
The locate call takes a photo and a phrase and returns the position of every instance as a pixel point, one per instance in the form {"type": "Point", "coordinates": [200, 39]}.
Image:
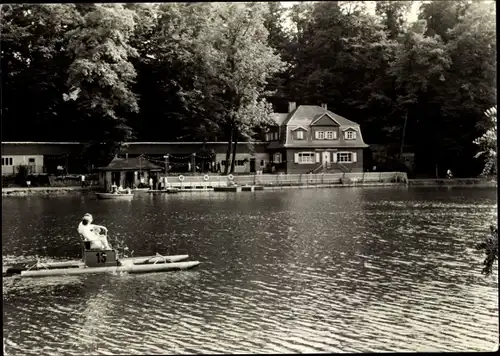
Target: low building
{"type": "Point", "coordinates": [307, 138]}
{"type": "Point", "coordinates": [312, 138]}
{"type": "Point", "coordinates": [128, 172]}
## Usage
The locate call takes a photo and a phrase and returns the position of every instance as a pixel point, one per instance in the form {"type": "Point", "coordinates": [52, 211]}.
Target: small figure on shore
{"type": "Point", "coordinates": [82, 179]}
{"type": "Point", "coordinates": [96, 234]}
{"type": "Point", "coordinates": [129, 191]}
{"type": "Point", "coordinates": [219, 168]}
{"type": "Point", "coordinates": [449, 174]}
{"type": "Point", "coordinates": [114, 188]}
{"type": "Point", "coordinates": [151, 183]}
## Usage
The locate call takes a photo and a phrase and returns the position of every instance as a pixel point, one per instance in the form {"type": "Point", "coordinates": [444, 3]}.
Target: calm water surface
{"type": "Point", "coordinates": [326, 270]}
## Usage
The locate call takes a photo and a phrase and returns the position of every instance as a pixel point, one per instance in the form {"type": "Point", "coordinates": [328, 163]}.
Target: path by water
{"type": "Point", "coordinates": [323, 270]}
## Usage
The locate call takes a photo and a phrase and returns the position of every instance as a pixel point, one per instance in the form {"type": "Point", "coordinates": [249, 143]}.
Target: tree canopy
{"type": "Point", "coordinates": [216, 71]}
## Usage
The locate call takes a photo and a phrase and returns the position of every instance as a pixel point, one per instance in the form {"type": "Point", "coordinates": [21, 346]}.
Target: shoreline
{"type": "Point", "coordinates": [412, 183]}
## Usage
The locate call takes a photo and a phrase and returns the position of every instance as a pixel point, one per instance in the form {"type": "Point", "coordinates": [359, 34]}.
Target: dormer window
{"type": "Point", "coordinates": [331, 135]}
{"type": "Point", "coordinates": [350, 135]}
{"type": "Point", "coordinates": [320, 135]}
{"type": "Point", "coordinates": [299, 135]}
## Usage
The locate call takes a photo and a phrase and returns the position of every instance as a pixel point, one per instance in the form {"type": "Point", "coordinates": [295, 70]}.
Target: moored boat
{"type": "Point", "coordinates": [115, 196]}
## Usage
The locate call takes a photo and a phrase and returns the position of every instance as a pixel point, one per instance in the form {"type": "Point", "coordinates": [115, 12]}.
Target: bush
{"type": "Point", "coordinates": [22, 175]}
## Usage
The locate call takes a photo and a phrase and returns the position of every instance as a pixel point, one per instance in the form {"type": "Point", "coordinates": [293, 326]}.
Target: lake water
{"type": "Point", "coordinates": [291, 271]}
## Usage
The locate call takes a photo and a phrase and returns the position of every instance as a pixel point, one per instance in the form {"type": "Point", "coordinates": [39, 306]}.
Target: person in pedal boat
{"type": "Point", "coordinates": [92, 233]}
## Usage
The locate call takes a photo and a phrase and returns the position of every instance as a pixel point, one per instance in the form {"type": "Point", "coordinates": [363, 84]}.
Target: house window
{"type": "Point", "coordinates": [306, 157]}
{"type": "Point", "coordinates": [223, 163]}
{"type": "Point", "coordinates": [262, 163]}
{"type": "Point", "coordinates": [300, 135]}
{"type": "Point", "coordinates": [329, 135]}
{"type": "Point", "coordinates": [6, 161]}
{"type": "Point", "coordinates": [345, 157]}
{"type": "Point", "coordinates": [3, 161]}
{"type": "Point", "coordinates": [320, 135]}
{"type": "Point", "coordinates": [240, 162]}
{"type": "Point", "coordinates": [350, 135]}
{"type": "Point", "coordinates": [31, 160]}
{"type": "Point", "coordinates": [277, 158]}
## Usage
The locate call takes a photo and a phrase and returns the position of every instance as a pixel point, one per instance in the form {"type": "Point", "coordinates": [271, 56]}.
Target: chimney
{"type": "Point", "coordinates": [324, 106]}
{"type": "Point", "coordinates": [291, 106]}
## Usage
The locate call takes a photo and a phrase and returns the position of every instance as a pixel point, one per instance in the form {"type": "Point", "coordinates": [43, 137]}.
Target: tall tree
{"type": "Point", "coordinates": [419, 70]}
{"type": "Point", "coordinates": [237, 62]}
{"type": "Point", "coordinates": [393, 15]}
{"type": "Point", "coordinates": [34, 65]}
{"type": "Point", "coordinates": [101, 74]}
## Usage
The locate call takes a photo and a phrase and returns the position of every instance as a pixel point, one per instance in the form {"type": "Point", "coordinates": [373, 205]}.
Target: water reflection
{"type": "Point", "coordinates": [335, 270]}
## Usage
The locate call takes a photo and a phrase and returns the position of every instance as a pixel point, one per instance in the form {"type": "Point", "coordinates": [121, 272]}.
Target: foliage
{"type": "Point", "coordinates": [214, 71]}
{"type": "Point", "coordinates": [100, 76]}
{"type": "Point", "coordinates": [488, 144]}
{"type": "Point", "coordinates": [490, 247]}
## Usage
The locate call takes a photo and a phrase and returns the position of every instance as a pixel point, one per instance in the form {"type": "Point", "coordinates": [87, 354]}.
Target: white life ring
{"type": "Point", "coordinates": [205, 177]}
{"type": "Point", "coordinates": [230, 177]}
{"type": "Point", "coordinates": [181, 178]}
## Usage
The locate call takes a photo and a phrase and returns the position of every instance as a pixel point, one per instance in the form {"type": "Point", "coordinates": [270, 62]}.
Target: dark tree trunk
{"type": "Point", "coordinates": [228, 152]}
{"type": "Point", "coordinates": [235, 143]}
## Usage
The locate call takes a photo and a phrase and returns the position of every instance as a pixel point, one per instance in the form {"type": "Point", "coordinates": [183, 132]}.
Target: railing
{"type": "Point", "coordinates": [210, 181]}
{"type": "Point", "coordinates": [343, 167]}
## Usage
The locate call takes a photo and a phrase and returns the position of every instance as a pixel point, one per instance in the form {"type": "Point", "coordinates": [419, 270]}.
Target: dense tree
{"type": "Point", "coordinates": [237, 62]}
{"type": "Point", "coordinates": [100, 76]}
{"type": "Point", "coordinates": [201, 71]}
{"type": "Point", "coordinates": [393, 15]}
{"type": "Point", "coordinates": [34, 64]}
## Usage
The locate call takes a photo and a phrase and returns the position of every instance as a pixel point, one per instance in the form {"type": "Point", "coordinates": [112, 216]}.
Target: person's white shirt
{"type": "Point", "coordinates": [87, 232]}
{"type": "Point", "coordinates": [83, 178]}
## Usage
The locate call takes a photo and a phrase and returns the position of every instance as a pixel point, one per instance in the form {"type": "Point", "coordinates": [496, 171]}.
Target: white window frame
{"type": "Point", "coordinates": [330, 135]}
{"type": "Point", "coordinates": [320, 135]}
{"type": "Point", "coordinates": [350, 135]}
{"type": "Point", "coordinates": [7, 161]}
{"type": "Point", "coordinates": [277, 157]}
{"type": "Point", "coordinates": [311, 158]}
{"type": "Point", "coordinates": [299, 135]}
{"type": "Point", "coordinates": [341, 155]}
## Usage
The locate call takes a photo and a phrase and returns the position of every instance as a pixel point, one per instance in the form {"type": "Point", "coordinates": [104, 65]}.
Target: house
{"type": "Point", "coordinates": [127, 172]}
{"type": "Point", "coordinates": [312, 138]}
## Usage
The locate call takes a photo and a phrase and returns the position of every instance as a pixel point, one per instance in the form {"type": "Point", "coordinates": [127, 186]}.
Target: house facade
{"type": "Point", "coordinates": [311, 138]}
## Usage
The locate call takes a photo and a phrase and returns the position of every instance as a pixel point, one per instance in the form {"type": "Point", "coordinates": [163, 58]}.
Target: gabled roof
{"type": "Point", "coordinates": [305, 114]}
{"type": "Point", "coordinates": [300, 128]}
{"type": "Point", "coordinates": [130, 164]}
{"type": "Point", "coordinates": [325, 115]}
